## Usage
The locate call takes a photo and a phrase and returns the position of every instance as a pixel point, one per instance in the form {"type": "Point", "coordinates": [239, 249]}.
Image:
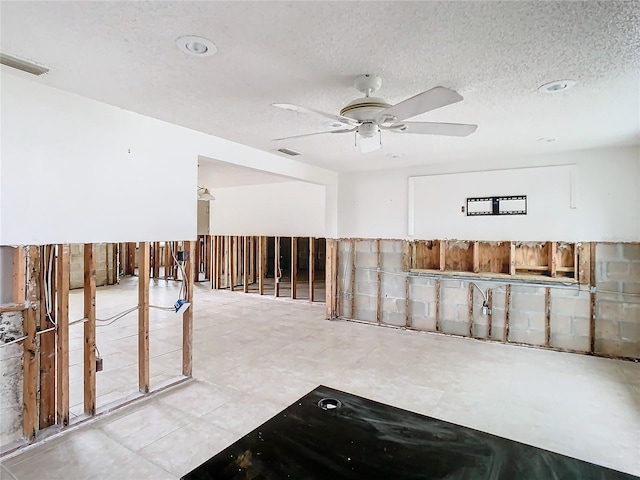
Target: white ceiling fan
{"type": "Point", "coordinates": [368, 116]}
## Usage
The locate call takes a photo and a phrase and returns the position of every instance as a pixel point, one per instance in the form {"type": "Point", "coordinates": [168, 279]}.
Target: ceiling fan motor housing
{"type": "Point", "coordinates": [364, 109]}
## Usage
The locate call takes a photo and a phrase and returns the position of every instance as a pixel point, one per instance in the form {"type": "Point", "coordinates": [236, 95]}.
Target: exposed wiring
{"type": "Point", "coordinates": [168, 309]}
{"type": "Point", "coordinates": [116, 317]}
{"type": "Point", "coordinates": [184, 274]}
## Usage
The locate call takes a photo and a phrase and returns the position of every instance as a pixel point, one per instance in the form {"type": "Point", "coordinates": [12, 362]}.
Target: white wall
{"type": "Point", "coordinates": [76, 170]}
{"type": "Point", "coordinates": [274, 209]}
{"type": "Point", "coordinates": [606, 191]}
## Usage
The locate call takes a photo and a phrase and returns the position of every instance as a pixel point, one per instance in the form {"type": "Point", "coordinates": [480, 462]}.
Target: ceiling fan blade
{"type": "Point", "coordinates": [434, 128]}
{"type": "Point", "coordinates": [423, 102]}
{"type": "Point", "coordinates": [299, 108]}
{"type": "Point", "coordinates": [344, 130]}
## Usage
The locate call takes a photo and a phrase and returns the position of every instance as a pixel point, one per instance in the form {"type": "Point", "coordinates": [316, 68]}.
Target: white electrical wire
{"type": "Point", "coordinates": [116, 317]}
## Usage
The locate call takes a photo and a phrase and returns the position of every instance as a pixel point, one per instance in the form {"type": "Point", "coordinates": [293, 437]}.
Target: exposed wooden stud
{"type": "Point", "coordinates": [507, 307]}
{"type": "Point", "coordinates": [547, 317]}
{"type": "Point", "coordinates": [131, 252]}
{"type": "Point", "coordinates": [294, 266]}
{"type": "Point", "coordinates": [476, 257]}
{"type": "Point", "coordinates": [584, 264]}
{"type": "Point", "coordinates": [214, 262]}
{"type": "Point", "coordinates": [331, 278]}
{"type": "Point", "coordinates": [252, 259]}
{"type": "Point", "coordinates": [379, 284]}
{"type": "Point", "coordinates": [156, 260]}
{"type": "Point", "coordinates": [62, 320]}
{"type": "Point", "coordinates": [187, 315]}
{"type": "Point", "coordinates": [407, 303]}
{"type": "Point", "coordinates": [592, 297]}
{"type": "Point", "coordinates": [353, 247]}
{"type": "Point", "coordinates": [30, 348]}
{"type": "Point", "coordinates": [48, 344]}
{"type": "Point", "coordinates": [245, 257]}
{"type": "Point", "coordinates": [19, 275]}
{"type": "Point", "coordinates": [90, 328]}
{"type": "Point", "coordinates": [312, 268]}
{"type": "Point", "coordinates": [262, 244]}
{"type": "Point", "coordinates": [276, 266]}
{"type": "Point", "coordinates": [512, 258]}
{"type": "Point", "coordinates": [230, 263]}
{"type": "Point", "coordinates": [490, 315]}
{"type": "Point", "coordinates": [167, 260]}
{"type": "Point", "coordinates": [196, 258]}
{"type": "Point", "coordinates": [553, 259]}
{"type": "Point", "coordinates": [470, 302]}
{"type": "Point", "coordinates": [443, 255]}
{"type": "Point", "coordinates": [414, 259]}
{"type": "Point", "coordinates": [437, 304]}
{"type": "Point", "coordinates": [143, 317]}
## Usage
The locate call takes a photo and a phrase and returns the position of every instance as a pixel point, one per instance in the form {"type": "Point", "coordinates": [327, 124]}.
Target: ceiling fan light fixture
{"type": "Point", "coordinates": [197, 46]}
{"type": "Point", "coordinates": [205, 194]}
{"type": "Point", "coordinates": [556, 86]}
{"type": "Point", "coordinates": [369, 143]}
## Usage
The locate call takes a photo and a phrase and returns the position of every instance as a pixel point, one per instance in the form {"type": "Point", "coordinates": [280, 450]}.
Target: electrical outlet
{"type": "Point", "coordinates": [99, 364]}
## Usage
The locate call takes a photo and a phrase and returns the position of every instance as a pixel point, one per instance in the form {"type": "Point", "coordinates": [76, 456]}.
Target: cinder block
{"type": "Point", "coordinates": [397, 319]}
{"type": "Point", "coordinates": [581, 326]}
{"type": "Point", "coordinates": [366, 315]}
{"type": "Point", "coordinates": [618, 271]}
{"type": "Point", "coordinates": [537, 321]}
{"type": "Point", "coordinates": [393, 286]}
{"type": "Point", "coordinates": [526, 290]}
{"type": "Point", "coordinates": [345, 307]}
{"type": "Point", "coordinates": [10, 423]}
{"type": "Point", "coordinates": [479, 331]}
{"type": "Point", "coordinates": [570, 342]}
{"type": "Point", "coordinates": [631, 287]}
{"type": "Point", "coordinates": [579, 306]}
{"type": "Point", "coordinates": [619, 348]}
{"type": "Point", "coordinates": [630, 331]}
{"type": "Point", "coordinates": [497, 332]}
{"type": "Point", "coordinates": [418, 308]}
{"type": "Point", "coordinates": [606, 310]}
{"type": "Point", "coordinates": [392, 305]}
{"type": "Point", "coordinates": [561, 324]}
{"type": "Point", "coordinates": [608, 252]}
{"type": "Point", "coordinates": [366, 276]}
{"type": "Point", "coordinates": [631, 251]}
{"type": "Point", "coordinates": [425, 293]}
{"type": "Point", "coordinates": [607, 329]}
{"type": "Point", "coordinates": [531, 337]}
{"type": "Point", "coordinates": [423, 323]}
{"type": "Point", "coordinates": [454, 328]}
{"type": "Point", "coordinates": [498, 300]}
{"type": "Point", "coordinates": [610, 286]}
{"type": "Point", "coordinates": [367, 260]}
{"type": "Point", "coordinates": [448, 312]}
{"type": "Point", "coordinates": [391, 246]}
{"type": "Point", "coordinates": [365, 302]}
{"type": "Point", "coordinates": [527, 303]}
{"type": "Point", "coordinates": [497, 317]}
{"type": "Point", "coordinates": [518, 320]}
{"type": "Point", "coordinates": [458, 296]}
{"type": "Point", "coordinates": [635, 271]}
{"type": "Point", "coordinates": [391, 262]}
{"type": "Point", "coordinates": [631, 313]}
{"type": "Point", "coordinates": [364, 246]}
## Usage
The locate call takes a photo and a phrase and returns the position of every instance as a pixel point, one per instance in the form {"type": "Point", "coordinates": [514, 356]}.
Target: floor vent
{"type": "Point", "coordinates": [286, 151]}
{"type": "Point", "coordinates": [23, 65]}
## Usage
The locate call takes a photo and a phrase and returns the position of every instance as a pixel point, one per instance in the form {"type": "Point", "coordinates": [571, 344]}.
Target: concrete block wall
{"type": "Point", "coordinates": [10, 378]}
{"type": "Point", "coordinates": [617, 314]}
{"type": "Point", "coordinates": [104, 264]}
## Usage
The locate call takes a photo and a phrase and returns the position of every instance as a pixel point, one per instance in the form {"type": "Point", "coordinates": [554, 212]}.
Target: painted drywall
{"type": "Point", "coordinates": [274, 209]}
{"type": "Point", "coordinates": [606, 192]}
{"type": "Point", "coordinates": [76, 170]}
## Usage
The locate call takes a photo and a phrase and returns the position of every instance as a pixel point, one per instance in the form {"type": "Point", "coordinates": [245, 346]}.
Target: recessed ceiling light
{"type": "Point", "coordinates": [557, 86]}
{"type": "Point", "coordinates": [394, 155]}
{"type": "Point", "coordinates": [198, 46]}
{"type": "Point", "coordinates": [546, 140]}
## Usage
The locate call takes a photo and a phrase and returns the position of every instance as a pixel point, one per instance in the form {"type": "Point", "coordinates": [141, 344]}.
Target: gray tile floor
{"type": "Point", "coordinates": [255, 355]}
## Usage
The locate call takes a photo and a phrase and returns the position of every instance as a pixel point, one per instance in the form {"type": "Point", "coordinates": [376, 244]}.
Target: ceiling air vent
{"type": "Point", "coordinates": [286, 151]}
{"type": "Point", "coordinates": [23, 65]}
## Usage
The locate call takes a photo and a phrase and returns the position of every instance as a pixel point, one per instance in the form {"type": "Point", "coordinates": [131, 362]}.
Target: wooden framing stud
{"type": "Point", "coordinates": [143, 317]}
{"type": "Point", "coordinates": [592, 297]}
{"type": "Point", "coordinates": [553, 258]}
{"type": "Point", "coordinates": [167, 260]}
{"type": "Point", "coordinates": [47, 344]}
{"type": "Point", "coordinates": [246, 258]}
{"type": "Point", "coordinates": [276, 266]}
{"type": "Point", "coordinates": [230, 264]}
{"type": "Point", "coordinates": [294, 266]}
{"type": "Point", "coordinates": [470, 301]}
{"type": "Point", "coordinates": [312, 267]}
{"type": "Point", "coordinates": [584, 263]}
{"type": "Point", "coordinates": [512, 258]}
{"type": "Point", "coordinates": [507, 307]}
{"type": "Point", "coordinates": [443, 255]}
{"type": "Point", "coordinates": [490, 316]}
{"type": "Point", "coordinates": [407, 302]}
{"type": "Point", "coordinates": [476, 257]}
{"type": "Point", "coordinates": [547, 317]}
{"type": "Point", "coordinates": [353, 280]}
{"type": "Point", "coordinates": [19, 275]}
{"type": "Point", "coordinates": [331, 278]}
{"type": "Point", "coordinates": [262, 258]}
{"type": "Point", "coordinates": [62, 320]}
{"type": "Point", "coordinates": [90, 329]}
{"type": "Point", "coordinates": [187, 316]}
{"type": "Point", "coordinates": [156, 260]}
{"type": "Point", "coordinates": [30, 347]}
{"type": "Point", "coordinates": [438, 304]}
{"type": "Point", "coordinates": [379, 284]}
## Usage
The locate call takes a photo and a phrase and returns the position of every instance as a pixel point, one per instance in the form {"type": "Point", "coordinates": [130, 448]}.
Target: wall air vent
{"type": "Point", "coordinates": [23, 65]}
{"type": "Point", "coordinates": [291, 153]}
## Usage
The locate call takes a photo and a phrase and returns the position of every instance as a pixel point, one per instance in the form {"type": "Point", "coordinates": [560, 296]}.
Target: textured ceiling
{"type": "Point", "coordinates": [495, 54]}
{"type": "Point", "coordinates": [216, 174]}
